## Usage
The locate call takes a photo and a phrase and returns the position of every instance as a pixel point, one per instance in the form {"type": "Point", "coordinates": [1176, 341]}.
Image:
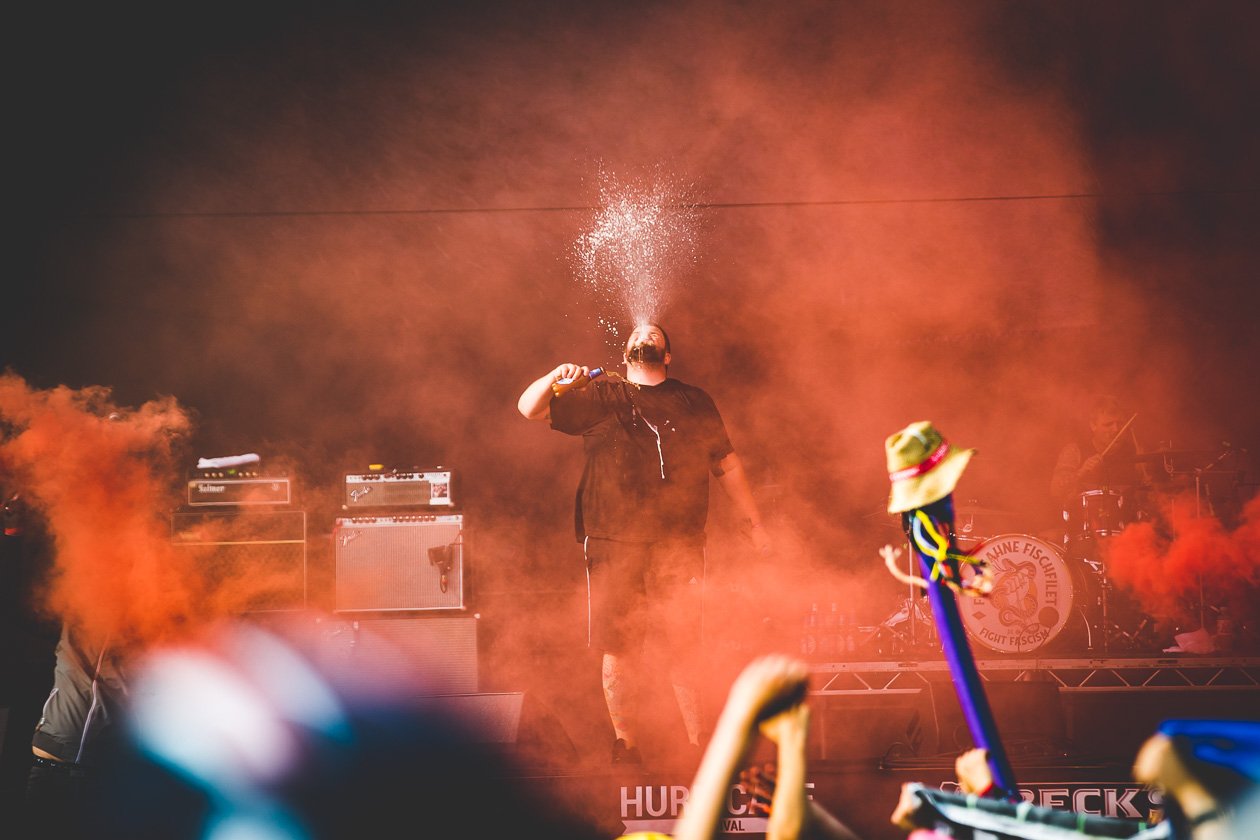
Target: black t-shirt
{"type": "Point", "coordinates": [1118, 469]}
{"type": "Point", "coordinates": [649, 452]}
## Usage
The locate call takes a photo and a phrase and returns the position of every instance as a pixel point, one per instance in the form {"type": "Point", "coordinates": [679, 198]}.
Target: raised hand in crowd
{"type": "Point", "coordinates": [779, 792]}
{"type": "Point", "coordinates": [768, 686]}
{"type": "Point", "coordinates": [972, 769]}
{"type": "Point", "coordinates": [789, 809]}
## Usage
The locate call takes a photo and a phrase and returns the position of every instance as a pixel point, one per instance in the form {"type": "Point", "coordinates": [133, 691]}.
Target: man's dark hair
{"type": "Point", "coordinates": [1104, 404]}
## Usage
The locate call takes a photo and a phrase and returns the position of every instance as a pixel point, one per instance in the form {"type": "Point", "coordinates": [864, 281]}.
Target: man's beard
{"type": "Point", "coordinates": [647, 354]}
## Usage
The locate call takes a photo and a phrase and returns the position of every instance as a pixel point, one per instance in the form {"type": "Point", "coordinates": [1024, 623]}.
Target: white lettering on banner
{"type": "Point", "coordinates": [652, 800]}
{"type": "Point", "coordinates": [1116, 804]}
{"type": "Point", "coordinates": [656, 807]}
{"type": "Point", "coordinates": [730, 825]}
{"type": "Point", "coordinates": [627, 803]}
{"type": "Point", "coordinates": [1054, 798]}
{"type": "Point", "coordinates": [737, 799]}
{"type": "Point", "coordinates": [1079, 797]}
{"type": "Point", "coordinates": [1107, 799]}
{"type": "Point", "coordinates": [659, 808]}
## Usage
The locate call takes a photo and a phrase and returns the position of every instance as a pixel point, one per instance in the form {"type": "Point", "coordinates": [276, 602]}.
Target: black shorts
{"type": "Point", "coordinates": [639, 592]}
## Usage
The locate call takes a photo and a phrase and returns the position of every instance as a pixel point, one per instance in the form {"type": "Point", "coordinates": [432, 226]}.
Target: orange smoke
{"type": "Point", "coordinates": [1164, 561]}
{"type": "Point", "coordinates": [101, 476]}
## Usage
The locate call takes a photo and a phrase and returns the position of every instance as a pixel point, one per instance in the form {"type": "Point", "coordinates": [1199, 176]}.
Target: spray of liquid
{"type": "Point", "coordinates": [643, 234]}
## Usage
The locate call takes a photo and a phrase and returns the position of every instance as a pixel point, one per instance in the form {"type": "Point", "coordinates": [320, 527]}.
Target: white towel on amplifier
{"type": "Point", "coordinates": [228, 461]}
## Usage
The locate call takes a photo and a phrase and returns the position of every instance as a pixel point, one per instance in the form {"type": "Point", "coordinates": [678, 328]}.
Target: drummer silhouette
{"type": "Point", "coordinates": [1098, 476]}
{"type": "Point", "coordinates": [1101, 484]}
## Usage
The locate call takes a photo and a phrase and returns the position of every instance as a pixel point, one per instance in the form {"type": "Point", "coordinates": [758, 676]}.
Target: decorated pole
{"type": "Point", "coordinates": [962, 663]}
{"type": "Point", "coordinates": [923, 470]}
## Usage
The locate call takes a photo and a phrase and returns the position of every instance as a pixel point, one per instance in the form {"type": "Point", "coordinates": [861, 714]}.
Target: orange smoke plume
{"type": "Point", "coordinates": [100, 477]}
{"type": "Point", "coordinates": [1165, 561]}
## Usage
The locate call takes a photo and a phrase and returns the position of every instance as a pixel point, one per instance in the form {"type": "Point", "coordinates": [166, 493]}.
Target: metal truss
{"type": "Point", "coordinates": [1071, 675]}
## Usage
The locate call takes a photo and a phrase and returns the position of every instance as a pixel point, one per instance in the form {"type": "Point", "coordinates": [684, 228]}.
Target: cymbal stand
{"type": "Point", "coordinates": [1099, 568]}
{"type": "Point", "coordinates": [1104, 585]}
{"type": "Point", "coordinates": [1109, 635]}
{"type": "Point", "coordinates": [1080, 544]}
{"type": "Point", "coordinates": [1198, 513]}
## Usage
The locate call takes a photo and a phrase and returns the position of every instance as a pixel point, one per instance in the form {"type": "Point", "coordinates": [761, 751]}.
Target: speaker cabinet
{"type": "Point", "coordinates": [251, 560]}
{"type": "Point", "coordinates": [399, 563]}
{"type": "Point", "coordinates": [421, 656]}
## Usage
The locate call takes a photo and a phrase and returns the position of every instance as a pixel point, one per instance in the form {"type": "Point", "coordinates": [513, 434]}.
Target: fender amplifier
{"type": "Point", "coordinates": [399, 563]}
{"type": "Point", "coordinates": [416, 489]}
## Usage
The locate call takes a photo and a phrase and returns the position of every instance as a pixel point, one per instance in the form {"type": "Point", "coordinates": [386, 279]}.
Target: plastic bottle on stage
{"type": "Point", "coordinates": [830, 644]}
{"type": "Point", "coordinates": [809, 633]}
{"type": "Point", "coordinates": [561, 385]}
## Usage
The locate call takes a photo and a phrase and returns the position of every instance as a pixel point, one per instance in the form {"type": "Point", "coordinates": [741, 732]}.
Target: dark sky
{"type": "Point", "coordinates": [345, 234]}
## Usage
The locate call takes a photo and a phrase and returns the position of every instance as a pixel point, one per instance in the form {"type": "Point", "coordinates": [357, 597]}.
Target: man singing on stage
{"type": "Point", "coordinates": [651, 443]}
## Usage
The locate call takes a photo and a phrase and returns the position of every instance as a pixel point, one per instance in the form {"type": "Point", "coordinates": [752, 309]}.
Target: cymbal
{"type": "Point", "coordinates": [1161, 454]}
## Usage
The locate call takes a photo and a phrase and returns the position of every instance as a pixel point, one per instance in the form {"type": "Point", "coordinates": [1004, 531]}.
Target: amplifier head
{"type": "Point", "coordinates": [252, 491]}
{"type": "Point", "coordinates": [415, 489]}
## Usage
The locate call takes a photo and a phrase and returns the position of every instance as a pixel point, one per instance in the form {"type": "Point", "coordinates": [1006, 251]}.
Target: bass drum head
{"type": "Point", "coordinates": [1032, 595]}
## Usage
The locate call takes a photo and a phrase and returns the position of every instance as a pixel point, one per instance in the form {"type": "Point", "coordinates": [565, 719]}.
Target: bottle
{"type": "Point", "coordinates": [843, 632]}
{"type": "Point", "coordinates": [830, 644]}
{"type": "Point", "coordinates": [809, 636]}
{"type": "Point", "coordinates": [561, 385]}
{"type": "Point", "coordinates": [1224, 639]}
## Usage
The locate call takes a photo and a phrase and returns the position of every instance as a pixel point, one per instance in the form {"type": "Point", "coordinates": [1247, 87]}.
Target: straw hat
{"type": "Point", "coordinates": [922, 466]}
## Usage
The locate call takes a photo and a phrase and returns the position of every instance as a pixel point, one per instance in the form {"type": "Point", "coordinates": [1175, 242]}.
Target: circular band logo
{"type": "Point", "coordinates": [1031, 598]}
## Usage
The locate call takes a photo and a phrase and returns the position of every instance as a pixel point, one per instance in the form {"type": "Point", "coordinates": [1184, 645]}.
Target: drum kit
{"type": "Point", "coordinates": [1052, 595]}
{"type": "Point", "coordinates": [1049, 597]}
